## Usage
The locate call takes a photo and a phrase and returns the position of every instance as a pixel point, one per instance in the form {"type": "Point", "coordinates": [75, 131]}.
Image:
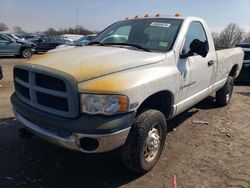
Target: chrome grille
{"type": "Point", "coordinates": [47, 90]}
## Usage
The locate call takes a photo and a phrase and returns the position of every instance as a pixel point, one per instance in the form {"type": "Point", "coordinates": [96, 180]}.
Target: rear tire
{"type": "Point", "coordinates": [224, 95]}
{"type": "Point", "coordinates": [145, 141]}
{"type": "Point", "coordinates": [26, 53]}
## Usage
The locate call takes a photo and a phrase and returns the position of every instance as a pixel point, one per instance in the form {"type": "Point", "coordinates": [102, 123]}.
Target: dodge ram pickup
{"type": "Point", "coordinates": [120, 90]}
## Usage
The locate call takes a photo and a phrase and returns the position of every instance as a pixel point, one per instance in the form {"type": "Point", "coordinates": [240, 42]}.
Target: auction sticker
{"type": "Point", "coordinates": [160, 24]}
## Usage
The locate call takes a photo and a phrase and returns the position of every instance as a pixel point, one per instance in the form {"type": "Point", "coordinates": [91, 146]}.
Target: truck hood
{"type": "Point", "coordinates": [91, 62]}
{"type": "Point", "coordinates": [62, 47]}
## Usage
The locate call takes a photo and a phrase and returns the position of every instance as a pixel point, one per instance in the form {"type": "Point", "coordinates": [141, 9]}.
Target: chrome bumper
{"type": "Point", "coordinates": [107, 142]}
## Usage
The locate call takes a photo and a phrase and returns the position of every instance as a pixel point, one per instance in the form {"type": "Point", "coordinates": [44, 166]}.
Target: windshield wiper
{"type": "Point", "coordinates": [128, 44]}
{"type": "Point", "coordinates": [95, 42]}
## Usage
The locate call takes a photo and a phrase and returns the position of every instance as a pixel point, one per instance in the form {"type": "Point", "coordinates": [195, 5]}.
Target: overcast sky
{"type": "Point", "coordinates": [38, 15]}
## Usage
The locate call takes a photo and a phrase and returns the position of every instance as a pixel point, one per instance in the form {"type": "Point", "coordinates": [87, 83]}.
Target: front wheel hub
{"type": "Point", "coordinates": [152, 145]}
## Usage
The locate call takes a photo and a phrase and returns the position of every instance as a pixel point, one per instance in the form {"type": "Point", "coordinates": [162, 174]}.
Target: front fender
{"type": "Point", "coordinates": [138, 84]}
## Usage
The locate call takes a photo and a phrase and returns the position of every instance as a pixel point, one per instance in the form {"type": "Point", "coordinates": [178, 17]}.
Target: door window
{"type": "Point", "coordinates": [195, 31]}
{"type": "Point", "coordinates": [45, 39]}
{"type": "Point", "coordinates": [3, 39]}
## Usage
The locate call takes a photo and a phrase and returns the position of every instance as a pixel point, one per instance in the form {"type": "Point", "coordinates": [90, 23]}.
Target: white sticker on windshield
{"type": "Point", "coordinates": [159, 24]}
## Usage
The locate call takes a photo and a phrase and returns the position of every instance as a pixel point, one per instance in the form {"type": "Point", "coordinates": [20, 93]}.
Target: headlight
{"type": "Point", "coordinates": [104, 104]}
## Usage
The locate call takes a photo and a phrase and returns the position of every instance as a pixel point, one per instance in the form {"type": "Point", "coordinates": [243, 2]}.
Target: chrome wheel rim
{"type": "Point", "coordinates": [152, 144]}
{"type": "Point", "coordinates": [26, 53]}
{"type": "Point", "coordinates": [229, 92]}
{"type": "Point", "coordinates": [228, 97]}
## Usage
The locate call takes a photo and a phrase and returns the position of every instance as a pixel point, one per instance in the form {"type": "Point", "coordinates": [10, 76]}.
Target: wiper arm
{"type": "Point", "coordinates": [95, 42]}
{"type": "Point", "coordinates": [128, 44]}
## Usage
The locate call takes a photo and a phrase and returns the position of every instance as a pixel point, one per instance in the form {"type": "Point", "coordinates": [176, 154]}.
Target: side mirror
{"type": "Point", "coordinates": [185, 55]}
{"type": "Point", "coordinates": [199, 47]}
{"type": "Point", "coordinates": [196, 47]}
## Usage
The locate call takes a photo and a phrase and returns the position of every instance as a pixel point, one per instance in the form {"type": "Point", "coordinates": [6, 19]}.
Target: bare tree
{"type": "Point", "coordinates": [230, 36]}
{"type": "Point", "coordinates": [51, 31]}
{"type": "Point", "coordinates": [3, 27]}
{"type": "Point", "coordinates": [216, 37]}
{"type": "Point", "coordinates": [76, 30]}
{"type": "Point", "coordinates": [246, 38]}
{"type": "Point", "coordinates": [18, 30]}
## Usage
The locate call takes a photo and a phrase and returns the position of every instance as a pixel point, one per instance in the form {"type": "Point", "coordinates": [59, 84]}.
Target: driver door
{"type": "Point", "coordinates": [197, 70]}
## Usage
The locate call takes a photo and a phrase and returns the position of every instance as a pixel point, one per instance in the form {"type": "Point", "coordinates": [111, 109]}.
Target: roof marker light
{"type": "Point", "coordinates": [137, 17]}
{"type": "Point", "coordinates": [146, 16]}
{"type": "Point", "coordinates": [177, 14]}
{"type": "Point", "coordinates": [158, 15]}
{"type": "Point", "coordinates": [127, 18]}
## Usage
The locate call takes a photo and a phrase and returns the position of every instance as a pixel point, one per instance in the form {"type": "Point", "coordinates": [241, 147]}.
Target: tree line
{"type": "Point", "coordinates": [230, 36]}
{"type": "Point", "coordinates": [227, 38]}
{"type": "Point", "coordinates": [80, 30]}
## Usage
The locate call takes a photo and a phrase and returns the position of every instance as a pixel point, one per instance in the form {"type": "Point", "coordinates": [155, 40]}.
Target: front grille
{"type": "Point", "coordinates": [59, 103]}
{"type": "Point", "coordinates": [22, 74]}
{"type": "Point", "coordinates": [50, 82]}
{"type": "Point", "coordinates": [24, 91]}
{"type": "Point", "coordinates": [48, 90]}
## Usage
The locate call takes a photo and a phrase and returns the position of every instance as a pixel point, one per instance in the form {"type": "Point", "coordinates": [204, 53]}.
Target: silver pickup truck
{"type": "Point", "coordinates": [120, 90]}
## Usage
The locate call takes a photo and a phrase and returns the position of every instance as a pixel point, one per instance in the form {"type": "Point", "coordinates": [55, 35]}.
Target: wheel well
{"type": "Point", "coordinates": [233, 71]}
{"type": "Point", "coordinates": [23, 48]}
{"type": "Point", "coordinates": [162, 101]}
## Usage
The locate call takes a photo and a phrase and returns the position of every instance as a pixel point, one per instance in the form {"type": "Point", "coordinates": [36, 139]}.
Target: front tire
{"type": "Point", "coordinates": [224, 95]}
{"type": "Point", "coordinates": [145, 141]}
{"type": "Point", "coordinates": [26, 53]}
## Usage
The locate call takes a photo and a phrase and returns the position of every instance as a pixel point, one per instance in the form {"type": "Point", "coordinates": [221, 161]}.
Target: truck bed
{"type": "Point", "coordinates": [226, 59]}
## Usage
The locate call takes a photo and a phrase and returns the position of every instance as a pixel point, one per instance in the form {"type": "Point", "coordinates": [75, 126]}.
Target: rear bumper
{"type": "Point", "coordinates": [109, 132]}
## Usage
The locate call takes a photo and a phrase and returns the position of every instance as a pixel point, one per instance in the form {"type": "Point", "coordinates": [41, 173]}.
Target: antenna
{"type": "Point", "coordinates": [76, 20]}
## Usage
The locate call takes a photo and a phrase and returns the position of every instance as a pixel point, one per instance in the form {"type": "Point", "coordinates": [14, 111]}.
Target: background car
{"type": "Point", "coordinates": [10, 45]}
{"type": "Point", "coordinates": [45, 43]}
{"type": "Point", "coordinates": [80, 42]}
{"type": "Point", "coordinates": [14, 36]}
{"type": "Point", "coordinates": [72, 37]}
{"type": "Point", "coordinates": [245, 71]}
{"type": "Point", "coordinates": [26, 36]}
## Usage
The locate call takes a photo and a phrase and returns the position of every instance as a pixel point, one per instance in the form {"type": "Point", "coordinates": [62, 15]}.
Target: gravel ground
{"type": "Point", "coordinates": [207, 147]}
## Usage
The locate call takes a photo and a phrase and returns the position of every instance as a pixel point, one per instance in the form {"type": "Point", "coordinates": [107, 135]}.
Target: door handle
{"type": "Point", "coordinates": [210, 63]}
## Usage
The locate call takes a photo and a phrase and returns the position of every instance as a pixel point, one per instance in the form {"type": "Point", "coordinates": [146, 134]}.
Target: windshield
{"type": "Point", "coordinates": [16, 37]}
{"type": "Point", "coordinates": [152, 34]}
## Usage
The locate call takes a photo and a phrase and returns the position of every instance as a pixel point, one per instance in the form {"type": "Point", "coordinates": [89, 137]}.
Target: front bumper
{"type": "Point", "coordinates": [109, 132]}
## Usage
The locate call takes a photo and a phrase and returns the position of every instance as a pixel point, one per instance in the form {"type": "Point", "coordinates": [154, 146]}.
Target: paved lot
{"type": "Point", "coordinates": [208, 154]}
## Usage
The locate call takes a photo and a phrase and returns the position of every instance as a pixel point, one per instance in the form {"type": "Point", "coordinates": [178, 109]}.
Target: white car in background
{"type": "Point", "coordinates": [72, 37]}
{"type": "Point", "coordinates": [80, 42]}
